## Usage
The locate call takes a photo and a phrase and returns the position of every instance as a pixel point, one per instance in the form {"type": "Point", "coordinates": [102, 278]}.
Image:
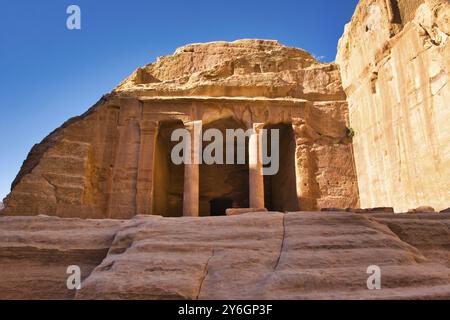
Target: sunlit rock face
{"type": "Point", "coordinates": [394, 60]}
{"type": "Point", "coordinates": [113, 161]}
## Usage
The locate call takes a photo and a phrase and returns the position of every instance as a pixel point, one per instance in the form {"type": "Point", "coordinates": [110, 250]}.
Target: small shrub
{"type": "Point", "coordinates": [350, 133]}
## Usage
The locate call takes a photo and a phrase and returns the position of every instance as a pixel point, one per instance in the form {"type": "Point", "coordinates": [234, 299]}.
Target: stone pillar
{"type": "Point", "coordinates": [303, 168]}
{"type": "Point", "coordinates": [191, 193]}
{"type": "Point", "coordinates": [145, 168]}
{"type": "Point", "coordinates": [256, 182]}
{"type": "Point", "coordinates": [122, 198]}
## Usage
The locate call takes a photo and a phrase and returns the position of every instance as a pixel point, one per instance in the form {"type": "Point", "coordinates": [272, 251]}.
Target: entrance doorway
{"type": "Point", "coordinates": [168, 178]}
{"type": "Point", "coordinates": [280, 190]}
{"type": "Point", "coordinates": [224, 186]}
{"type": "Point", "coordinates": [219, 206]}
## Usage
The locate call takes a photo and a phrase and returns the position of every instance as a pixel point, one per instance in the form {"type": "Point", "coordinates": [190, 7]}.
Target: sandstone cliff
{"type": "Point", "coordinates": [395, 64]}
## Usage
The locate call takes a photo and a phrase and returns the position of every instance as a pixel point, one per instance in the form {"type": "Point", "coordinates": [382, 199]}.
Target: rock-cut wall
{"type": "Point", "coordinates": [395, 64]}
{"type": "Point", "coordinates": [112, 162]}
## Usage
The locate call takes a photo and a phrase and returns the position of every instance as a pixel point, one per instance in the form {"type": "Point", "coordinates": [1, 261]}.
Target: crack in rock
{"type": "Point", "coordinates": [282, 243]}
{"type": "Point", "coordinates": [205, 274]}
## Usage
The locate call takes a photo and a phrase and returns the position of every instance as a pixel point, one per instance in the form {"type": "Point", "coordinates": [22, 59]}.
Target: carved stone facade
{"type": "Point", "coordinates": [114, 161]}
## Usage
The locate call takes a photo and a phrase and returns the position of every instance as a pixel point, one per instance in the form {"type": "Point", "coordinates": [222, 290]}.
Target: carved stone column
{"type": "Point", "coordinates": [191, 171]}
{"type": "Point", "coordinates": [122, 198]}
{"type": "Point", "coordinates": [145, 169]}
{"type": "Point", "coordinates": [304, 180]}
{"type": "Point", "coordinates": [256, 178]}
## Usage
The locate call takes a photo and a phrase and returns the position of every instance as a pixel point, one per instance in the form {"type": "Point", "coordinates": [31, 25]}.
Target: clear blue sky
{"type": "Point", "coordinates": [49, 74]}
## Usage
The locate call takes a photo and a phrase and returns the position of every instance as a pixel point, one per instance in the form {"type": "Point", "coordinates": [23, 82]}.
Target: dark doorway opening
{"type": "Point", "coordinates": [280, 190]}
{"type": "Point", "coordinates": [224, 181]}
{"type": "Point", "coordinates": [219, 206]}
{"type": "Point", "coordinates": [168, 178]}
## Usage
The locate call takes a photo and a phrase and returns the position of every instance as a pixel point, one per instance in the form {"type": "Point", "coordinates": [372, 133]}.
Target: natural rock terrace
{"type": "Point", "coordinates": [254, 256]}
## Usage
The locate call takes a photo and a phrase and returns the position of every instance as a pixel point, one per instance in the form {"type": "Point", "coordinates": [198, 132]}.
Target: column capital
{"type": "Point", "coordinates": [300, 128]}
{"type": "Point", "coordinates": [148, 126]}
{"type": "Point", "coordinates": [190, 125]}
{"type": "Point", "coordinates": [257, 126]}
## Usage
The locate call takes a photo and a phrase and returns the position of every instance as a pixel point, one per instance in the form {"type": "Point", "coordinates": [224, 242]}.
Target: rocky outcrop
{"type": "Point", "coordinates": [112, 161]}
{"type": "Point", "coordinates": [244, 68]}
{"type": "Point", "coordinates": [395, 65]}
{"type": "Point", "coordinates": [301, 255]}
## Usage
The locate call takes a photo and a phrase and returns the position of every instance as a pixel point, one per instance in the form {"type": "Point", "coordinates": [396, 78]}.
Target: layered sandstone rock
{"type": "Point", "coordinates": [395, 64]}
{"type": "Point", "coordinates": [244, 68]}
{"type": "Point", "coordinates": [36, 252]}
{"type": "Point", "coordinates": [112, 162]}
{"type": "Point", "coordinates": [302, 255]}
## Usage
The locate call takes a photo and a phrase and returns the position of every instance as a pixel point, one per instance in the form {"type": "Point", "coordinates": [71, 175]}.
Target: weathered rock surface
{"type": "Point", "coordinates": [112, 161]}
{"type": "Point", "coordinates": [429, 233]}
{"type": "Point", "coordinates": [35, 253]}
{"type": "Point", "coordinates": [244, 68]}
{"type": "Point", "coordinates": [234, 212]}
{"type": "Point", "coordinates": [395, 65]}
{"type": "Point", "coordinates": [254, 256]}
